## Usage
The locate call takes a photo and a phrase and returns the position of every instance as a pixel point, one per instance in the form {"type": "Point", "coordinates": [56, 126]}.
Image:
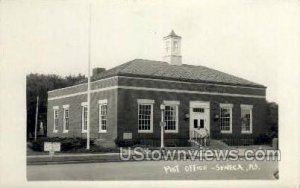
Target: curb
{"type": "Point", "coordinates": [103, 158]}
{"type": "Point", "coordinates": [69, 158]}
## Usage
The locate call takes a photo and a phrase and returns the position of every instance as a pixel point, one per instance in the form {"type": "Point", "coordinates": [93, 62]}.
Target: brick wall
{"type": "Point", "coordinates": [125, 81]}
{"type": "Point", "coordinates": [128, 114]}
{"type": "Point", "coordinates": [83, 87]}
{"type": "Point", "coordinates": [75, 116]}
{"type": "Point", "coordinates": [152, 83]}
{"type": "Point", "coordinates": [122, 108]}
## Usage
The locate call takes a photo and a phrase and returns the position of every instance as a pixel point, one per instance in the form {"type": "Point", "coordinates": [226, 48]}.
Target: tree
{"type": "Point", "coordinates": [272, 118]}
{"type": "Point", "coordinates": [39, 85]}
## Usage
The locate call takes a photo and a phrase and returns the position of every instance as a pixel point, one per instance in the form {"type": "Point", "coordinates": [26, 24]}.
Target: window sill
{"type": "Point", "coordinates": [246, 132]}
{"type": "Point", "coordinates": [171, 131]}
{"type": "Point", "coordinates": [140, 131]}
{"type": "Point", "coordinates": [65, 131]}
{"type": "Point", "coordinates": [55, 131]}
{"type": "Point", "coordinates": [102, 131]}
{"type": "Point", "coordinates": [226, 132]}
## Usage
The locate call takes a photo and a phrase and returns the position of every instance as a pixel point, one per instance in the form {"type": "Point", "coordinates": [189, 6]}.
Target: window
{"type": "Point", "coordinates": [55, 118]}
{"type": "Point", "coordinates": [246, 115]}
{"type": "Point", "coordinates": [167, 46]}
{"type": "Point", "coordinates": [145, 115]}
{"type": "Point", "coordinates": [196, 123]}
{"type": "Point", "coordinates": [84, 115]}
{"type": "Point", "coordinates": [171, 116]}
{"type": "Point", "coordinates": [226, 118]}
{"type": "Point", "coordinates": [175, 44]}
{"type": "Point", "coordinates": [102, 116]}
{"type": "Point", "coordinates": [201, 110]}
{"type": "Point", "coordinates": [201, 123]}
{"type": "Point", "coordinates": [66, 119]}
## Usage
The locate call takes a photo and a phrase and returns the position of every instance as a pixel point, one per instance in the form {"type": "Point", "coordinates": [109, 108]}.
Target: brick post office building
{"type": "Point", "coordinates": [126, 100]}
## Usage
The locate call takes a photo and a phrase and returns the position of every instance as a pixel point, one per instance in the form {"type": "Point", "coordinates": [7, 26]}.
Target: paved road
{"type": "Point", "coordinates": [155, 170]}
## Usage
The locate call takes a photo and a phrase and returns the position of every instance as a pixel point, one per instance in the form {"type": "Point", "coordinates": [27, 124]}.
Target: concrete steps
{"type": "Point", "coordinates": [218, 144]}
{"type": "Point", "coordinates": [212, 144]}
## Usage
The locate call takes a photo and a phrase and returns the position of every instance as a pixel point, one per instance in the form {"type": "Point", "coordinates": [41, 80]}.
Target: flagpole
{"type": "Point", "coordinates": [89, 83]}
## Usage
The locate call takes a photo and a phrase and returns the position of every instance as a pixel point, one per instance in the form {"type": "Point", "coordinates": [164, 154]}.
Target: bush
{"type": "Point", "coordinates": [267, 137]}
{"type": "Point", "coordinates": [126, 143]}
{"type": "Point", "coordinates": [263, 139]}
{"type": "Point", "coordinates": [96, 148]}
{"type": "Point", "coordinates": [67, 144]}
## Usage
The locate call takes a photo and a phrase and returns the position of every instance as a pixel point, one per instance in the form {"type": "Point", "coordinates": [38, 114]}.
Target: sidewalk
{"type": "Point", "coordinates": [72, 158]}
{"type": "Point", "coordinates": [67, 158]}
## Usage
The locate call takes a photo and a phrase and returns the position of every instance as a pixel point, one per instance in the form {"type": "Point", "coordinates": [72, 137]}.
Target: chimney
{"type": "Point", "coordinates": [97, 71]}
{"type": "Point", "coordinates": [172, 53]}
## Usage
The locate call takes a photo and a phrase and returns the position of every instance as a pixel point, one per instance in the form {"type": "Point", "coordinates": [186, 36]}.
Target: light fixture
{"type": "Point", "coordinates": [187, 116]}
{"type": "Point", "coordinates": [162, 107]}
{"type": "Point", "coordinates": [216, 117]}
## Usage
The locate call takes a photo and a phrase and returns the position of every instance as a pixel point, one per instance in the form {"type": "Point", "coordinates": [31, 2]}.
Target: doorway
{"type": "Point", "coordinates": [199, 116]}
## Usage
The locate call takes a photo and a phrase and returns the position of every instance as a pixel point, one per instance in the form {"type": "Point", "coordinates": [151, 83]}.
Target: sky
{"type": "Point", "coordinates": [248, 39]}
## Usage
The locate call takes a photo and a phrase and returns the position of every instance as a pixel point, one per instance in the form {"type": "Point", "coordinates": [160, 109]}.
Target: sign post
{"type": "Point", "coordinates": [162, 126]}
{"type": "Point", "coordinates": [52, 147]}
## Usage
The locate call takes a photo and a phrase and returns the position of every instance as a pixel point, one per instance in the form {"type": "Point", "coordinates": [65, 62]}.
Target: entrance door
{"type": "Point", "coordinates": [199, 122]}
{"type": "Point", "coordinates": [199, 116]}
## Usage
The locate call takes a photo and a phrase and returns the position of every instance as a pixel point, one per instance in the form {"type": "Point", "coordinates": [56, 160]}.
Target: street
{"type": "Point", "coordinates": [155, 170]}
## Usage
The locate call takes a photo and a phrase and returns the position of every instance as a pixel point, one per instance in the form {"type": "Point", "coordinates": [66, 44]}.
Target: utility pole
{"type": "Point", "coordinates": [89, 84]}
{"type": "Point", "coordinates": [36, 117]}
